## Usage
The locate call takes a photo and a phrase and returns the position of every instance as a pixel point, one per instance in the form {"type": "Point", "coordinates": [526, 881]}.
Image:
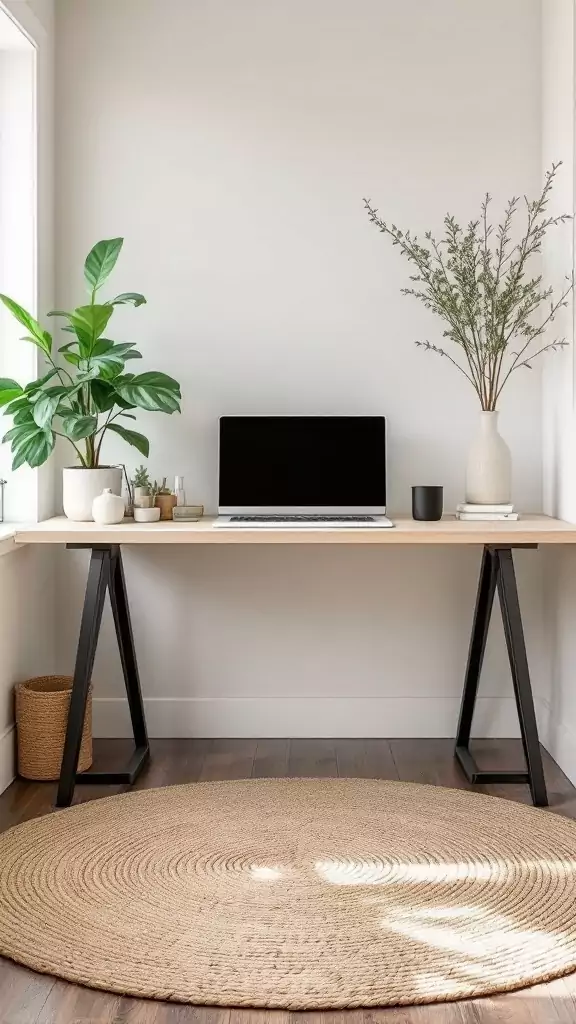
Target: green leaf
{"type": "Point", "coordinates": [87, 375]}
{"type": "Point", "coordinates": [16, 405]}
{"type": "Point", "coordinates": [108, 358]}
{"type": "Point", "coordinates": [153, 391]}
{"type": "Point", "coordinates": [18, 460]}
{"type": "Point", "coordinates": [84, 339]}
{"type": "Point", "coordinates": [88, 323]}
{"type": "Point", "coordinates": [63, 389]}
{"type": "Point", "coordinates": [71, 357]}
{"type": "Point", "coordinates": [45, 345]}
{"type": "Point", "coordinates": [12, 434]}
{"type": "Point", "coordinates": [40, 449]}
{"type": "Point", "coordinates": [9, 390]}
{"type": "Point", "coordinates": [119, 399]}
{"type": "Point", "coordinates": [108, 392]}
{"type": "Point", "coordinates": [110, 367]}
{"type": "Point", "coordinates": [102, 346]}
{"type": "Point", "coordinates": [103, 395]}
{"type": "Point", "coordinates": [132, 437]}
{"type": "Point", "coordinates": [24, 415]}
{"type": "Point", "coordinates": [127, 349]}
{"type": "Point", "coordinates": [100, 262]}
{"type": "Point", "coordinates": [134, 298]}
{"type": "Point", "coordinates": [33, 445]}
{"type": "Point", "coordinates": [38, 337]}
{"type": "Point", "coordinates": [91, 320]}
{"type": "Point", "coordinates": [36, 385]}
{"type": "Point", "coordinates": [44, 409]}
{"type": "Point", "coordinates": [22, 433]}
{"type": "Point", "coordinates": [76, 426]}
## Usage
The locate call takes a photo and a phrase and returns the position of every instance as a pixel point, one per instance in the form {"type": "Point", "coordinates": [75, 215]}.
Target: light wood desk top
{"type": "Point", "coordinates": [530, 529]}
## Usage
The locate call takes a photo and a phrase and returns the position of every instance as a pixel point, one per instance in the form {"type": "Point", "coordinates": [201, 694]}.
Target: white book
{"type": "Point", "coordinates": [485, 517]}
{"type": "Point", "coordinates": [466, 506]}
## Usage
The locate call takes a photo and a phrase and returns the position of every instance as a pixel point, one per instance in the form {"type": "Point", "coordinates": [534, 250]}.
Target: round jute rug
{"type": "Point", "coordinates": [299, 893]}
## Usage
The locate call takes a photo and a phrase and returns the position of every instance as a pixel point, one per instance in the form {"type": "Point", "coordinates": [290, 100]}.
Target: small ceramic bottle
{"type": "Point", "coordinates": [108, 508]}
{"type": "Point", "coordinates": [179, 491]}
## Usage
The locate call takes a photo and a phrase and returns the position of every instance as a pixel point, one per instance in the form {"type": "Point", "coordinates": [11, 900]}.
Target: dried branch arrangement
{"type": "Point", "coordinates": [477, 280]}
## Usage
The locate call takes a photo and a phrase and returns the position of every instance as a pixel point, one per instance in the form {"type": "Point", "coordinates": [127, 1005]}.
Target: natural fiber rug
{"type": "Point", "coordinates": [293, 893]}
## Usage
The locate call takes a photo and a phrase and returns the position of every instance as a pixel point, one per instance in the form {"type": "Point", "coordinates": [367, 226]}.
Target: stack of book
{"type": "Point", "coordinates": [484, 513]}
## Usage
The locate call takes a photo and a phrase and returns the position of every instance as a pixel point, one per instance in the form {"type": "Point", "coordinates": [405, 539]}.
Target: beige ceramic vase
{"type": "Point", "coordinates": [489, 470]}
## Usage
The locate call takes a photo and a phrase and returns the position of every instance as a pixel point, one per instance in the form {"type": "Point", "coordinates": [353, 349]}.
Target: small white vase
{"type": "Point", "coordinates": [108, 508]}
{"type": "Point", "coordinates": [81, 486]}
{"type": "Point", "coordinates": [489, 469]}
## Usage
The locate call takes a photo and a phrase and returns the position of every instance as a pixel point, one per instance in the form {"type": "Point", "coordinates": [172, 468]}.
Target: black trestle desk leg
{"type": "Point", "coordinates": [482, 613]}
{"type": "Point", "coordinates": [498, 573]}
{"type": "Point", "coordinates": [105, 573]}
{"type": "Point", "coordinates": [125, 637]}
{"type": "Point", "coordinates": [514, 634]}
{"type": "Point", "coordinates": [98, 579]}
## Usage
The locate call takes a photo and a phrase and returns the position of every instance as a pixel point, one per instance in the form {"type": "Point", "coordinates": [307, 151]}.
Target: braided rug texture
{"type": "Point", "coordinates": [300, 894]}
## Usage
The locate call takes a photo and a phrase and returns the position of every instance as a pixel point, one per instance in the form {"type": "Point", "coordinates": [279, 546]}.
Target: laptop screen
{"type": "Point", "coordinates": [287, 462]}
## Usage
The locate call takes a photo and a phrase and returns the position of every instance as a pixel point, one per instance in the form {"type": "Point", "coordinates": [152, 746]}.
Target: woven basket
{"type": "Point", "coordinates": [41, 715]}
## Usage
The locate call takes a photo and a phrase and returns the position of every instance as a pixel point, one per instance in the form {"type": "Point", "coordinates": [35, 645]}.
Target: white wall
{"type": "Point", "coordinates": [231, 144]}
{"type": "Point", "coordinates": [559, 92]}
{"type": "Point", "coordinates": [27, 634]}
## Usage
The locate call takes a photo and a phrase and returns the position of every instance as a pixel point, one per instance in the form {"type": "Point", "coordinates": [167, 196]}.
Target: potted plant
{"type": "Point", "coordinates": [84, 400]}
{"type": "Point", "coordinates": [141, 488]}
{"type": "Point", "coordinates": [164, 499]}
{"type": "Point", "coordinates": [495, 311]}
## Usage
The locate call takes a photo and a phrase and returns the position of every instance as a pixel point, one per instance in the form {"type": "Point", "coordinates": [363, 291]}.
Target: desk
{"type": "Point", "coordinates": [106, 575]}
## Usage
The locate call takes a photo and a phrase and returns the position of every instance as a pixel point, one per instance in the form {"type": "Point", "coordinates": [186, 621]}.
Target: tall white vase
{"type": "Point", "coordinates": [489, 470]}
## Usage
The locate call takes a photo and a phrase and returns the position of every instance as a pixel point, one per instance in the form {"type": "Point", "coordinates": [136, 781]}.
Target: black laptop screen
{"type": "Point", "coordinates": [302, 461]}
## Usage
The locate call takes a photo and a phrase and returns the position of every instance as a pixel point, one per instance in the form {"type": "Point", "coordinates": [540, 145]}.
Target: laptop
{"type": "Point", "coordinates": [302, 472]}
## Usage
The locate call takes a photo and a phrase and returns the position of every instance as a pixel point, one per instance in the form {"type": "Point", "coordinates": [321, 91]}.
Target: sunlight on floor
{"type": "Point", "coordinates": [472, 940]}
{"type": "Point", "coordinates": [475, 944]}
{"type": "Point", "coordinates": [264, 874]}
{"type": "Point", "coordinates": [499, 936]}
{"type": "Point", "coordinates": [359, 872]}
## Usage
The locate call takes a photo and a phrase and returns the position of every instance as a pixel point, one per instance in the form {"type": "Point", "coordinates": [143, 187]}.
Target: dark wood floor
{"type": "Point", "coordinates": [27, 998]}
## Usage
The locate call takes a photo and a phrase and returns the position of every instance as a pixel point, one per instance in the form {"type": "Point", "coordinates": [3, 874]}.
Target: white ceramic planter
{"type": "Point", "coordinates": [81, 486]}
{"type": "Point", "coordinates": [489, 470]}
{"type": "Point", "coordinates": [146, 515]}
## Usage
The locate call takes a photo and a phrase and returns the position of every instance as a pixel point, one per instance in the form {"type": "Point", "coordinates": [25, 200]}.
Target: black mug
{"type": "Point", "coordinates": [427, 503]}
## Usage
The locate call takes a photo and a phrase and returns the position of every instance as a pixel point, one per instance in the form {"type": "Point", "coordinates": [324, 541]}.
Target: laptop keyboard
{"type": "Point", "coordinates": [301, 519]}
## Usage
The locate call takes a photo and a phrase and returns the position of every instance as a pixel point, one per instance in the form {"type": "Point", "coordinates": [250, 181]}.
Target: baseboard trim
{"type": "Point", "coordinates": [7, 757]}
{"type": "Point", "coordinates": [313, 717]}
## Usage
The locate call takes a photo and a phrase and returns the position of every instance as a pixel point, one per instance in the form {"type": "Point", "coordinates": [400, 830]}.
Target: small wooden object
{"type": "Point", "coordinates": [165, 502]}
